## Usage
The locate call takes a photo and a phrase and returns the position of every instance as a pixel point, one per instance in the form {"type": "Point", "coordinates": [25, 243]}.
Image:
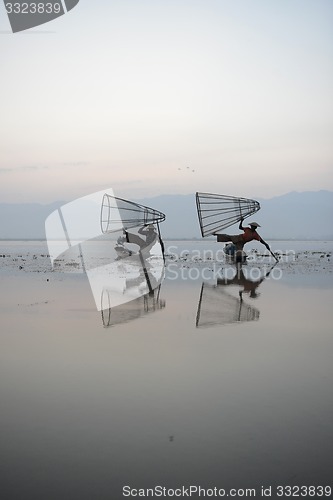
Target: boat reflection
{"type": "Point", "coordinates": [218, 306]}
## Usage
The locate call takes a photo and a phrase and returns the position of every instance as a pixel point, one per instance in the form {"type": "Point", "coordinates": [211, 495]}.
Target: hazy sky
{"type": "Point", "coordinates": [168, 96]}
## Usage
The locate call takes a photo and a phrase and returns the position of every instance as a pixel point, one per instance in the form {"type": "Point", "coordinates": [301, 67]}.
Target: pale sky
{"type": "Point", "coordinates": [168, 96]}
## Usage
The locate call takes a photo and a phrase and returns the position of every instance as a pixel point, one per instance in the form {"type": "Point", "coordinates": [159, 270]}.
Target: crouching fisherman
{"type": "Point", "coordinates": [239, 240]}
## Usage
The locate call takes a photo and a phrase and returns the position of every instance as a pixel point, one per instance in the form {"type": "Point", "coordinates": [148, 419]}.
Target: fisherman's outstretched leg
{"type": "Point", "coordinates": [235, 238]}
{"type": "Point", "coordinates": [223, 237]}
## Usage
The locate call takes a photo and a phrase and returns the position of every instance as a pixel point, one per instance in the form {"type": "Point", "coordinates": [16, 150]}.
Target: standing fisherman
{"type": "Point", "coordinates": [239, 240]}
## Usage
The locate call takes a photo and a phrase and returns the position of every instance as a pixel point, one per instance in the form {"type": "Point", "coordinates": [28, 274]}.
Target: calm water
{"type": "Point", "coordinates": [196, 385]}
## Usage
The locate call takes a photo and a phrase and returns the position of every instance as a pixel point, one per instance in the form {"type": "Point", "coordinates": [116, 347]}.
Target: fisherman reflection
{"type": "Point", "coordinates": [145, 276]}
{"type": "Point", "coordinates": [218, 307]}
{"type": "Point", "coordinates": [249, 286]}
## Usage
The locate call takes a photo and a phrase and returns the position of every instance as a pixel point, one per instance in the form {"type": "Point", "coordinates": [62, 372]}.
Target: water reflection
{"type": "Point", "coordinates": [145, 304]}
{"type": "Point", "coordinates": [217, 306]}
{"type": "Point", "coordinates": [132, 286]}
{"type": "Point", "coordinates": [245, 278]}
{"type": "Point", "coordinates": [122, 265]}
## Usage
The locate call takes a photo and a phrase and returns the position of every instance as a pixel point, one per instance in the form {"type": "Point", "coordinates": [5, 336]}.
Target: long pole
{"type": "Point", "coordinates": [275, 257]}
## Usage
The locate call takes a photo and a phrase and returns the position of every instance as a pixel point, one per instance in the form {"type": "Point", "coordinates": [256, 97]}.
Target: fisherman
{"type": "Point", "coordinates": [239, 240]}
{"type": "Point", "coordinates": [149, 233]}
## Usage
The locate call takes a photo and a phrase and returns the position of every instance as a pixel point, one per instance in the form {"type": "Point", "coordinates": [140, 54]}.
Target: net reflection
{"type": "Point", "coordinates": [219, 307]}
{"type": "Point", "coordinates": [145, 304]}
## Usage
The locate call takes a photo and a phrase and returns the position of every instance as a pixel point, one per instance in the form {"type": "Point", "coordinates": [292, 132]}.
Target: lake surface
{"type": "Point", "coordinates": [214, 382]}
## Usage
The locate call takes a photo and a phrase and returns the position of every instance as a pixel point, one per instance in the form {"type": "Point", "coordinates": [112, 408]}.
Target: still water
{"type": "Point", "coordinates": [197, 384]}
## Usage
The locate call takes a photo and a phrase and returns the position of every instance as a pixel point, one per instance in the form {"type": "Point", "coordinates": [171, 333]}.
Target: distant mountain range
{"type": "Point", "coordinates": [304, 215]}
